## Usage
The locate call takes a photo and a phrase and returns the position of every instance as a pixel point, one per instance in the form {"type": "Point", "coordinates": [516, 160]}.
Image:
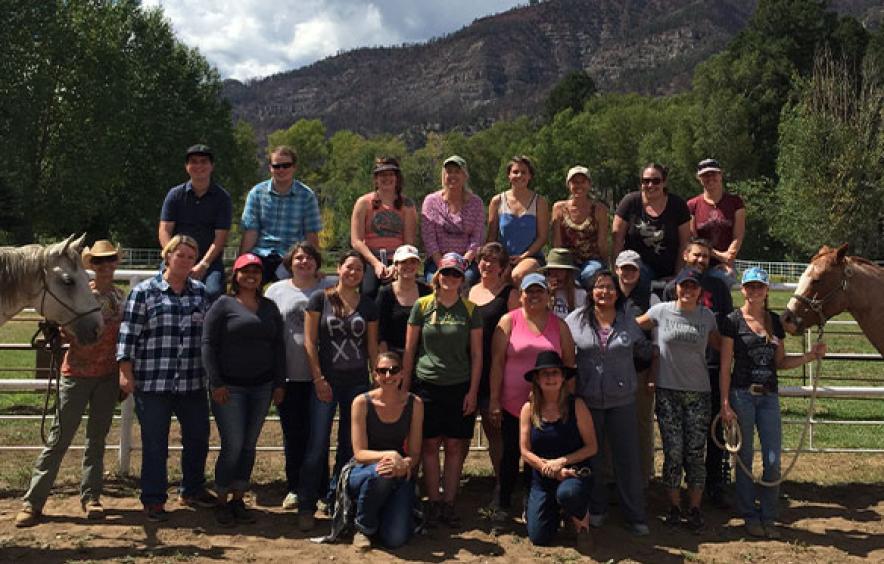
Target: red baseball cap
{"type": "Point", "coordinates": [247, 259]}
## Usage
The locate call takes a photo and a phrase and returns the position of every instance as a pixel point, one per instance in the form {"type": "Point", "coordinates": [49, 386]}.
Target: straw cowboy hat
{"type": "Point", "coordinates": [101, 248]}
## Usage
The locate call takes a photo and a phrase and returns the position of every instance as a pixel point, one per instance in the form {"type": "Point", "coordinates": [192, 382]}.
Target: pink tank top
{"type": "Point", "coordinates": [521, 355]}
{"type": "Point", "coordinates": [384, 225]}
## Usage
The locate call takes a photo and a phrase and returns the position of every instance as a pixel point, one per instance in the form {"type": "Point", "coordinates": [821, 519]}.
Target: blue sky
{"type": "Point", "coordinates": [252, 38]}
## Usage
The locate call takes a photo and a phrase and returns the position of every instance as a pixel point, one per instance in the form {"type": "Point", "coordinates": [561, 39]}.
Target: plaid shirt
{"type": "Point", "coordinates": [446, 232]}
{"type": "Point", "coordinates": [280, 220]}
{"type": "Point", "coordinates": [161, 335]}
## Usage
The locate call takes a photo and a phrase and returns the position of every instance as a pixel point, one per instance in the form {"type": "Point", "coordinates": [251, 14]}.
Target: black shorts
{"type": "Point", "coordinates": [443, 410]}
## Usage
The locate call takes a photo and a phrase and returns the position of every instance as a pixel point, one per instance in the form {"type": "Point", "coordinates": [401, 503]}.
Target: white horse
{"type": "Point", "coordinates": [52, 280]}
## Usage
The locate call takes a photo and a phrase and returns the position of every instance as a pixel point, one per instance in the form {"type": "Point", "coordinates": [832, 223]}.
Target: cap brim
{"type": "Point", "coordinates": [549, 266]}
{"type": "Point", "coordinates": [703, 171]}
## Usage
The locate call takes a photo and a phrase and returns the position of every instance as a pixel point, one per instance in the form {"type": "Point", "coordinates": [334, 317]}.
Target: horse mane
{"type": "Point", "coordinates": [20, 267]}
{"type": "Point", "coordinates": [827, 254]}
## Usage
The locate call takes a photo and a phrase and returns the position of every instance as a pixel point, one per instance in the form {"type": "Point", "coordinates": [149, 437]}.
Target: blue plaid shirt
{"type": "Point", "coordinates": [280, 220]}
{"type": "Point", "coordinates": [161, 335]}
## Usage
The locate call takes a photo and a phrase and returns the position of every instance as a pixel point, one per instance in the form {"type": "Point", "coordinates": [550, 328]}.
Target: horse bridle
{"type": "Point", "coordinates": [816, 304]}
{"type": "Point", "coordinates": [48, 290]}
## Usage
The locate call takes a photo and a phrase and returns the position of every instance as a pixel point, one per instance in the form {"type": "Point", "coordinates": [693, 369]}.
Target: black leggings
{"type": "Point", "coordinates": [509, 461]}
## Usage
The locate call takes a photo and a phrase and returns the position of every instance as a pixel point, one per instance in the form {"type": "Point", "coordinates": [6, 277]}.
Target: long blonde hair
{"type": "Point", "coordinates": [536, 400]}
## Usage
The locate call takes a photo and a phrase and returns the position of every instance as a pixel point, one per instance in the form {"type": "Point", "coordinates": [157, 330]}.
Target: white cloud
{"type": "Point", "coordinates": [250, 38]}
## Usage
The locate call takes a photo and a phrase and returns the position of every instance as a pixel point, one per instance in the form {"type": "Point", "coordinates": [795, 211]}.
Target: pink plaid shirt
{"type": "Point", "coordinates": [445, 232]}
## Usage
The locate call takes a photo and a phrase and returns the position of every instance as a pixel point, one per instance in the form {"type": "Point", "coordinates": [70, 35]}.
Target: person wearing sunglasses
{"type": "Point", "coordinates": [387, 425]}
{"type": "Point", "coordinates": [202, 209]}
{"type": "Point", "coordinates": [443, 346]}
{"type": "Point", "coordinates": [655, 224]}
{"type": "Point", "coordinates": [278, 213]}
{"type": "Point", "coordinates": [89, 378]}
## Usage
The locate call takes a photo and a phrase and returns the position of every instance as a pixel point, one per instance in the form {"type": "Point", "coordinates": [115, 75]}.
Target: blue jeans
{"type": "Point", "coordinates": [646, 276]}
{"type": "Point", "coordinates": [622, 424]}
{"type": "Point", "coordinates": [321, 416]}
{"type": "Point", "coordinates": [294, 418]}
{"type": "Point", "coordinates": [154, 410]}
{"type": "Point", "coordinates": [384, 506]}
{"type": "Point", "coordinates": [587, 269]}
{"type": "Point", "coordinates": [214, 281]}
{"type": "Point", "coordinates": [239, 424]}
{"type": "Point", "coordinates": [719, 272]}
{"type": "Point", "coordinates": [763, 413]}
{"type": "Point", "coordinates": [545, 499]}
{"type": "Point", "coordinates": [471, 275]}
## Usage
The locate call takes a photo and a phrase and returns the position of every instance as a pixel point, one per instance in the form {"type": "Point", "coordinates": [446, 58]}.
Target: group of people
{"type": "Point", "coordinates": [565, 359]}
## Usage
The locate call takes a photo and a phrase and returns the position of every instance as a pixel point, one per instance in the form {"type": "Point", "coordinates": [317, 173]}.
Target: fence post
{"type": "Point", "coordinates": [127, 414]}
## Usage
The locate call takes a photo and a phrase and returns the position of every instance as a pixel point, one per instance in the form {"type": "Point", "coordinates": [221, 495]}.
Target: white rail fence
{"type": "Point", "coordinates": [127, 419]}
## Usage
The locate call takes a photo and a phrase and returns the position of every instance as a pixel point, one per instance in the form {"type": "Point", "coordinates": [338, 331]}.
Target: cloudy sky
{"type": "Point", "coordinates": [252, 38]}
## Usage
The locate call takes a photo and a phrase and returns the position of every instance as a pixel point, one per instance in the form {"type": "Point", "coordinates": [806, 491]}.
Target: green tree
{"type": "Point", "coordinates": [308, 138]}
{"type": "Point", "coordinates": [571, 92]}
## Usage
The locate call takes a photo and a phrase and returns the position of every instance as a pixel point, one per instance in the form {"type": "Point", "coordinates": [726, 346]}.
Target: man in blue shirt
{"type": "Point", "coordinates": [278, 213]}
{"type": "Point", "coordinates": [201, 209]}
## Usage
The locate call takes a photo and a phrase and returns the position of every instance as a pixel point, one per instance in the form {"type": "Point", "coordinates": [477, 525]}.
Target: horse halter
{"type": "Point", "coordinates": [48, 290]}
{"type": "Point", "coordinates": [816, 304]}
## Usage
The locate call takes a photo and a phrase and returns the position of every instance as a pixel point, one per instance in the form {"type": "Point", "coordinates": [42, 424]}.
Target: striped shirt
{"type": "Point", "coordinates": [446, 232]}
{"type": "Point", "coordinates": [161, 335]}
{"type": "Point", "coordinates": [281, 220]}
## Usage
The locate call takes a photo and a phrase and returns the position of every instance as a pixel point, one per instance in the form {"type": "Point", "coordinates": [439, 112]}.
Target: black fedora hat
{"type": "Point", "coordinates": [549, 359]}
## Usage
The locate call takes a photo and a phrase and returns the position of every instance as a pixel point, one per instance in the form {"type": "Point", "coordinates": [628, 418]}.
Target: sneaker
{"type": "Point", "coordinates": [771, 531]}
{"type": "Point", "coordinates": [241, 513]}
{"type": "Point", "coordinates": [584, 541]}
{"type": "Point", "coordinates": [325, 507]}
{"type": "Point", "coordinates": [93, 509]}
{"type": "Point", "coordinates": [224, 515]}
{"type": "Point", "coordinates": [361, 542]}
{"type": "Point", "coordinates": [204, 498]}
{"type": "Point", "coordinates": [695, 520]}
{"type": "Point", "coordinates": [597, 519]}
{"type": "Point", "coordinates": [306, 522]}
{"type": "Point", "coordinates": [156, 513]}
{"type": "Point", "coordinates": [673, 517]}
{"type": "Point", "coordinates": [755, 529]}
{"type": "Point", "coordinates": [448, 515]}
{"type": "Point", "coordinates": [290, 502]}
{"type": "Point", "coordinates": [28, 516]}
{"type": "Point", "coordinates": [638, 529]}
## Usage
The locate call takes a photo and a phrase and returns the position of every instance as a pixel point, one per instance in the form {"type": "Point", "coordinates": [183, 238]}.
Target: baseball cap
{"type": "Point", "coordinates": [534, 279]}
{"type": "Point", "coordinates": [245, 260]}
{"type": "Point", "coordinates": [628, 257]}
{"type": "Point", "coordinates": [404, 253]}
{"type": "Point", "coordinates": [689, 274]}
{"type": "Point", "coordinates": [755, 274]}
{"type": "Point", "coordinates": [453, 260]}
{"type": "Point", "coordinates": [708, 165]}
{"type": "Point", "coordinates": [575, 170]}
{"type": "Point", "coordinates": [455, 160]}
{"type": "Point", "coordinates": [200, 149]}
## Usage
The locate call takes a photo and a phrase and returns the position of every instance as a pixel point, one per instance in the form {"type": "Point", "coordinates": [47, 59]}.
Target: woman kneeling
{"type": "Point", "coordinates": [557, 439]}
{"type": "Point", "coordinates": [387, 424]}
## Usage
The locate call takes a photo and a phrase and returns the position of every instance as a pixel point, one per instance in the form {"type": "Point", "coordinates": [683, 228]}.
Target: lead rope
{"type": "Point", "coordinates": [52, 344]}
{"type": "Point", "coordinates": [733, 437]}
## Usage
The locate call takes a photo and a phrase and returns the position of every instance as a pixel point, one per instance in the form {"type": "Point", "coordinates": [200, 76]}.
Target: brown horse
{"type": "Point", "coordinates": [835, 282]}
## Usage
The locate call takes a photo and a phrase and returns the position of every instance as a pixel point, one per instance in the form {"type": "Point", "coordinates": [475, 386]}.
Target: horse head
{"type": "Point", "coordinates": [66, 296]}
{"type": "Point", "coordinates": [821, 292]}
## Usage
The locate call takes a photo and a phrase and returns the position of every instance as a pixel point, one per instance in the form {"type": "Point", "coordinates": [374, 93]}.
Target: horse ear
{"type": "Point", "coordinates": [77, 243]}
{"type": "Point", "coordinates": [67, 243]}
{"type": "Point", "coordinates": [841, 253]}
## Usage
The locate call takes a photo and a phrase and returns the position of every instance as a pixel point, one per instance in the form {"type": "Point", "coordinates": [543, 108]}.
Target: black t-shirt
{"type": "Point", "coordinates": [393, 316]}
{"type": "Point", "coordinates": [655, 239]}
{"type": "Point", "coordinates": [716, 297]}
{"type": "Point", "coordinates": [343, 343]}
{"type": "Point", "coordinates": [754, 354]}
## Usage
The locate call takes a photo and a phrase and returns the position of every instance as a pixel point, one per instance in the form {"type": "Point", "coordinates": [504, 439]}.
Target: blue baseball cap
{"type": "Point", "coordinates": [755, 274]}
{"type": "Point", "coordinates": [534, 279]}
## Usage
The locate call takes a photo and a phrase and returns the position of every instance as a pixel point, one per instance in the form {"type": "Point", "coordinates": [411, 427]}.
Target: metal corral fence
{"type": "Point", "coordinates": [127, 416]}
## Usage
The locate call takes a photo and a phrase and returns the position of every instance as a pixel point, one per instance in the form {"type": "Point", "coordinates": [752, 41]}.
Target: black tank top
{"type": "Point", "coordinates": [388, 436]}
{"type": "Point", "coordinates": [491, 314]}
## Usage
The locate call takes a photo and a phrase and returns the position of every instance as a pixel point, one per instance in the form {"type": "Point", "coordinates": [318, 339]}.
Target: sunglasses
{"type": "Point", "coordinates": [277, 166]}
{"type": "Point", "coordinates": [451, 272]}
{"type": "Point", "coordinates": [389, 371]}
{"type": "Point", "coordinates": [104, 260]}
{"type": "Point", "coordinates": [653, 180]}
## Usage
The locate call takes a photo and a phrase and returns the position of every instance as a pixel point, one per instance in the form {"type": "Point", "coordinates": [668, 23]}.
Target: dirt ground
{"type": "Point", "coordinates": [832, 512]}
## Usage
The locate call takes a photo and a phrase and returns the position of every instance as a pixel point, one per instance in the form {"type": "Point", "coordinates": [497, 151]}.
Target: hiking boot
{"type": "Point", "coordinates": [755, 529]}
{"type": "Point", "coordinates": [584, 542]}
{"type": "Point", "coordinates": [156, 513]}
{"type": "Point", "coordinates": [28, 516]}
{"type": "Point", "coordinates": [204, 499]}
{"type": "Point", "coordinates": [93, 509]}
{"type": "Point", "coordinates": [771, 531]}
{"type": "Point", "coordinates": [306, 522]}
{"type": "Point", "coordinates": [241, 513]}
{"type": "Point", "coordinates": [224, 515]}
{"type": "Point", "coordinates": [290, 502]}
{"type": "Point", "coordinates": [448, 515]}
{"type": "Point", "coordinates": [673, 517]}
{"type": "Point", "coordinates": [695, 520]}
{"type": "Point", "coordinates": [638, 529]}
{"type": "Point", "coordinates": [361, 541]}
{"type": "Point", "coordinates": [432, 513]}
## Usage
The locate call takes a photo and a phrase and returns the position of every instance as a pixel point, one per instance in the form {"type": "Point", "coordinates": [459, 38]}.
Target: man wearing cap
{"type": "Point", "coordinates": [278, 213]}
{"type": "Point", "coordinates": [201, 209]}
{"type": "Point", "coordinates": [716, 296]}
{"type": "Point", "coordinates": [720, 218]}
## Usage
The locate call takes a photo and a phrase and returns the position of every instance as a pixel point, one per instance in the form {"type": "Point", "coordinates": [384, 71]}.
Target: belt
{"type": "Point", "coordinates": [758, 390]}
